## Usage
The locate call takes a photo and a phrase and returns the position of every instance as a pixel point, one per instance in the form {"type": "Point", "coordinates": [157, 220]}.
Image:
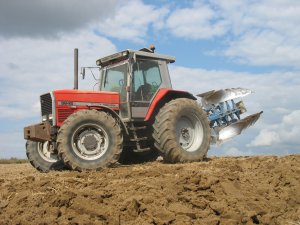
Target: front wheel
{"type": "Point", "coordinates": [43, 156]}
{"type": "Point", "coordinates": [181, 131]}
{"type": "Point", "coordinates": [90, 140]}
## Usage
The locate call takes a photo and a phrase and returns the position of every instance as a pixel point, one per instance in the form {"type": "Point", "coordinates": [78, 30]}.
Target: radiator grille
{"type": "Point", "coordinates": [46, 104]}
{"type": "Point", "coordinates": [64, 113]}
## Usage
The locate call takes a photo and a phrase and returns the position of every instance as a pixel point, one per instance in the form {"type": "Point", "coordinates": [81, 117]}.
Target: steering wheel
{"type": "Point", "coordinates": [121, 82]}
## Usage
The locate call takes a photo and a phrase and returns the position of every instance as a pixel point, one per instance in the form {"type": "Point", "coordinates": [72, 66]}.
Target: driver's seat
{"type": "Point", "coordinates": [143, 93]}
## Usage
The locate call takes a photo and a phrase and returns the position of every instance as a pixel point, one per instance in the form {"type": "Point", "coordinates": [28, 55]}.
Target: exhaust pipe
{"type": "Point", "coordinates": [75, 68]}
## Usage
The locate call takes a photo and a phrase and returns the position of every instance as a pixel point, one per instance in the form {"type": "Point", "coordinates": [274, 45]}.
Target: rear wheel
{"type": "Point", "coordinates": [90, 140]}
{"type": "Point", "coordinates": [42, 156]}
{"type": "Point", "coordinates": [181, 131]}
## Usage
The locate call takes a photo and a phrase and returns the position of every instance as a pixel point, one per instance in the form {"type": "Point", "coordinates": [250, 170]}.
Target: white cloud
{"type": "Point", "coordinates": [263, 32]}
{"type": "Point", "coordinates": [260, 33]}
{"type": "Point", "coordinates": [285, 133]}
{"type": "Point", "coordinates": [132, 21]}
{"type": "Point", "coordinates": [30, 67]}
{"type": "Point", "coordinates": [264, 48]}
{"type": "Point", "coordinates": [197, 22]}
{"type": "Point", "coordinates": [233, 151]}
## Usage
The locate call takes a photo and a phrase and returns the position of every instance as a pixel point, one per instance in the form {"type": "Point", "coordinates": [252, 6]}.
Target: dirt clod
{"type": "Point", "coordinates": [230, 190]}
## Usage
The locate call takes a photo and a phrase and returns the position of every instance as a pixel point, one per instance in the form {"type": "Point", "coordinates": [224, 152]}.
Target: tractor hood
{"type": "Point", "coordinates": [72, 97]}
{"type": "Point", "coordinates": [66, 102]}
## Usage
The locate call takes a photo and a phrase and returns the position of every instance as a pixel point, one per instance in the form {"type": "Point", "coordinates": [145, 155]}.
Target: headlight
{"type": "Point", "coordinates": [44, 118]}
{"type": "Point", "coordinates": [47, 117]}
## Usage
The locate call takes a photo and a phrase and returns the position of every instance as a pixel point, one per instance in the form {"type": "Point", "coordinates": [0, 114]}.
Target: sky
{"type": "Point", "coordinates": [217, 44]}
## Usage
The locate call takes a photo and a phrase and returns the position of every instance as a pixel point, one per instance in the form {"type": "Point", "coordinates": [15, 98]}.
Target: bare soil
{"type": "Point", "coordinates": [227, 190]}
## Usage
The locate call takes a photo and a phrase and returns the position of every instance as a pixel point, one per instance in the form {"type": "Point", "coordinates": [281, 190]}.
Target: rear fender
{"type": "Point", "coordinates": [162, 97]}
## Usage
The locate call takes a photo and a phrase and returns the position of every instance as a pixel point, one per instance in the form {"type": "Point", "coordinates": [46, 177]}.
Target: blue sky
{"type": "Point", "coordinates": [217, 44]}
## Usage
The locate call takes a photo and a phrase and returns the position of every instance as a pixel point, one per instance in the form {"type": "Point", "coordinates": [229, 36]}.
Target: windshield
{"type": "Point", "coordinates": [114, 79]}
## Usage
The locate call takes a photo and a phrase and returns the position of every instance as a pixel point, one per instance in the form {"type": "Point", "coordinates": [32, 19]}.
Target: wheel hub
{"type": "Point", "coordinates": [90, 142]}
{"type": "Point", "coordinates": [185, 134]}
{"type": "Point", "coordinates": [189, 132]}
{"type": "Point", "coordinates": [46, 151]}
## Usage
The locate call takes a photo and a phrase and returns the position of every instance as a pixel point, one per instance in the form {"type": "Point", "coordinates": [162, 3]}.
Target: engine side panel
{"type": "Point", "coordinates": [69, 101]}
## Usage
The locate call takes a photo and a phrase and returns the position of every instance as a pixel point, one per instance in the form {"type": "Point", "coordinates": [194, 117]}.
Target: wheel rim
{"type": "Point", "coordinates": [46, 151]}
{"type": "Point", "coordinates": [90, 142]}
{"type": "Point", "coordinates": [189, 132]}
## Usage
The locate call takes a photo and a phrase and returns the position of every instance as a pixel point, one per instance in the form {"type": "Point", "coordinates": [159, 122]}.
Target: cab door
{"type": "Point", "coordinates": [115, 79]}
{"type": "Point", "coordinates": [146, 81]}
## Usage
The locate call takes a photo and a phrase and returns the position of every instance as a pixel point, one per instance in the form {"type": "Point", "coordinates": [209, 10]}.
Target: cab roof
{"type": "Point", "coordinates": [144, 52]}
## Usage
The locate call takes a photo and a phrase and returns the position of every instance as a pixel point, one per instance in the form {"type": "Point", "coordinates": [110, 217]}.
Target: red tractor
{"type": "Point", "coordinates": [134, 109]}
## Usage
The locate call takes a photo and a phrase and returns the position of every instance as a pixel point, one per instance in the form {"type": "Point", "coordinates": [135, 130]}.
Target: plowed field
{"type": "Point", "coordinates": [233, 190]}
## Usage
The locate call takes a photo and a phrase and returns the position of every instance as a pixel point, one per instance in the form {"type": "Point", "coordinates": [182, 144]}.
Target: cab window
{"type": "Point", "coordinates": [114, 79]}
{"type": "Point", "coordinates": [146, 79]}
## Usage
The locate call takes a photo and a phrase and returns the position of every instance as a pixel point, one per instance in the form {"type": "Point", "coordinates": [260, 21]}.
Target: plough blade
{"type": "Point", "coordinates": [215, 97]}
{"type": "Point", "coordinates": [237, 127]}
{"type": "Point", "coordinates": [224, 114]}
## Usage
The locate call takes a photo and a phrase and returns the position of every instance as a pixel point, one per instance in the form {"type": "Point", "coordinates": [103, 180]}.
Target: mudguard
{"type": "Point", "coordinates": [165, 95]}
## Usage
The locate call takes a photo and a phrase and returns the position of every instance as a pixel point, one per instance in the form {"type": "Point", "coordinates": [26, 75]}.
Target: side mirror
{"type": "Point", "coordinates": [83, 72]}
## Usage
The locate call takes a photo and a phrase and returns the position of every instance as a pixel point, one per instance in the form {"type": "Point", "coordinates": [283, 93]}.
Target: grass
{"type": "Point", "coordinates": [13, 160]}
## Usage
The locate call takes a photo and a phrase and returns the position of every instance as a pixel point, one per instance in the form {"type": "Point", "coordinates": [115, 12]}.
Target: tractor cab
{"type": "Point", "coordinates": [137, 76]}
